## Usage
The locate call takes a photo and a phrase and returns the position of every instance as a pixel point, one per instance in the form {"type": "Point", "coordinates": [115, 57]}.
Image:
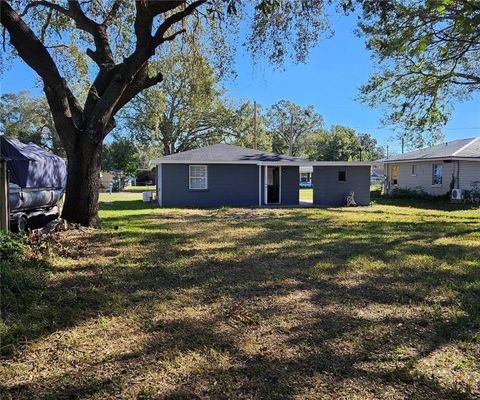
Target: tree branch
{"type": "Point", "coordinates": [113, 12]}
{"type": "Point", "coordinates": [103, 54]}
{"type": "Point", "coordinates": [173, 19]}
{"type": "Point", "coordinates": [61, 100]}
{"type": "Point", "coordinates": [160, 7]}
{"type": "Point", "coordinates": [53, 6]}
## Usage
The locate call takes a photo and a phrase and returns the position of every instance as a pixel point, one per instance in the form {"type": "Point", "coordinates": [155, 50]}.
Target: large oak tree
{"type": "Point", "coordinates": [119, 39]}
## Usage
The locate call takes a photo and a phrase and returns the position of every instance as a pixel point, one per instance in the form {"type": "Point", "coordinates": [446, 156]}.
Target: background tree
{"type": "Point", "coordinates": [242, 129]}
{"type": "Point", "coordinates": [340, 143]}
{"type": "Point", "coordinates": [429, 58]}
{"type": "Point", "coordinates": [369, 149]}
{"type": "Point", "coordinates": [186, 111]}
{"type": "Point", "coordinates": [83, 109]}
{"type": "Point", "coordinates": [121, 155]}
{"type": "Point", "coordinates": [292, 127]}
{"type": "Point", "coordinates": [29, 119]}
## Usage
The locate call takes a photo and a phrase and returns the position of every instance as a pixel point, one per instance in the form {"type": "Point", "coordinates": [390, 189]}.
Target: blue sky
{"type": "Point", "coordinates": [329, 81]}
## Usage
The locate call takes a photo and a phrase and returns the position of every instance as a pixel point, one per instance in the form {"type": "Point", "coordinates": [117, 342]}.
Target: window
{"type": "Point", "coordinates": [197, 178]}
{"type": "Point", "coordinates": [342, 176]}
{"type": "Point", "coordinates": [395, 174]}
{"type": "Point", "coordinates": [414, 170]}
{"type": "Point", "coordinates": [437, 174]}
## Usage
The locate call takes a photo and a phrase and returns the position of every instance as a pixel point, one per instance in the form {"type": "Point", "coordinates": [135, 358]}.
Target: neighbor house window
{"type": "Point", "coordinates": [414, 170]}
{"type": "Point", "coordinates": [197, 179]}
{"type": "Point", "coordinates": [342, 176]}
{"type": "Point", "coordinates": [437, 174]}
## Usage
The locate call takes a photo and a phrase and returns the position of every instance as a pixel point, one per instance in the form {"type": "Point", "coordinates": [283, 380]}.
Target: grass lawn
{"type": "Point", "coordinates": [306, 194]}
{"type": "Point", "coordinates": [139, 189]}
{"type": "Point", "coordinates": [361, 303]}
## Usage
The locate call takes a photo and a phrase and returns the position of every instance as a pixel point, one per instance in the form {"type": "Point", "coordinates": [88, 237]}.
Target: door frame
{"type": "Point", "coordinates": [265, 184]}
{"type": "Point", "coordinates": [159, 185]}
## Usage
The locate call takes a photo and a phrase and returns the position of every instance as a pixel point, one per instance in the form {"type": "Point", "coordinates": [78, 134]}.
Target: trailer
{"type": "Point", "coordinates": [35, 183]}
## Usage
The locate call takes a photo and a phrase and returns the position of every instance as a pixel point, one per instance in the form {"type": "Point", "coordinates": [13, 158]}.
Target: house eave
{"type": "Point", "coordinates": [411, 160]}
{"type": "Point", "coordinates": [247, 162]}
{"type": "Point", "coordinates": [277, 163]}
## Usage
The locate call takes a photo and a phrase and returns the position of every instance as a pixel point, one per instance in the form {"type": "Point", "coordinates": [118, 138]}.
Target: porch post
{"type": "Point", "coordinates": [259, 185]}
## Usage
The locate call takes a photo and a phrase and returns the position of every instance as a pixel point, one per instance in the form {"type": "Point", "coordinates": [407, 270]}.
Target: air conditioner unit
{"type": "Point", "coordinates": [458, 194]}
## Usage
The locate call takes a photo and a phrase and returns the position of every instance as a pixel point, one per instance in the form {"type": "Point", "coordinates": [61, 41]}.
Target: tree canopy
{"type": "Point", "coordinates": [341, 143]}
{"type": "Point", "coordinates": [291, 126]}
{"type": "Point", "coordinates": [121, 154]}
{"type": "Point", "coordinates": [428, 56]}
{"type": "Point", "coordinates": [184, 112]}
{"type": "Point", "coordinates": [249, 127]}
{"type": "Point", "coordinates": [28, 119]}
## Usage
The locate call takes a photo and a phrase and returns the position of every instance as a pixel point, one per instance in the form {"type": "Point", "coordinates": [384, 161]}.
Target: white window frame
{"type": "Point", "coordinates": [433, 175]}
{"type": "Point", "coordinates": [414, 169]}
{"type": "Point", "coordinates": [190, 177]}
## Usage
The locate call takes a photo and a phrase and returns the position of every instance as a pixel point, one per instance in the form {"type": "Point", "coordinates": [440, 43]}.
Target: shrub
{"type": "Point", "coordinates": [22, 280]}
{"type": "Point", "coordinates": [418, 194]}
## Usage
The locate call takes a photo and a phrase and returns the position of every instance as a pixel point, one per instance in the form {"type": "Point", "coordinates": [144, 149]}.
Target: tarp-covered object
{"type": "Point", "coordinates": [30, 166]}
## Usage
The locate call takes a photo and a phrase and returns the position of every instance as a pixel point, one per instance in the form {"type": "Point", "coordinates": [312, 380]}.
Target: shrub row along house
{"type": "Point", "coordinates": [436, 170]}
{"type": "Point", "coordinates": [226, 175]}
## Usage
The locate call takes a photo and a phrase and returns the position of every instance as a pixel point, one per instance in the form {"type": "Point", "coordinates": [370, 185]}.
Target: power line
{"type": "Point", "coordinates": [391, 129]}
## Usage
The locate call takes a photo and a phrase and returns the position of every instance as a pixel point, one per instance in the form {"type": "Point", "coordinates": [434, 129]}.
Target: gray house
{"type": "Point", "coordinates": [226, 175]}
{"type": "Point", "coordinates": [436, 169]}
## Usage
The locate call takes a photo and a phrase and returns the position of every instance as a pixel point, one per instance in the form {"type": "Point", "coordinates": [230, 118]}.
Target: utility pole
{"type": "Point", "coordinates": [403, 144]}
{"type": "Point", "coordinates": [290, 142]}
{"type": "Point", "coordinates": [387, 151]}
{"type": "Point", "coordinates": [255, 125]}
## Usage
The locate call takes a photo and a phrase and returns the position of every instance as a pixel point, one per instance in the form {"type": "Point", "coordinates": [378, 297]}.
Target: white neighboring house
{"type": "Point", "coordinates": [437, 169]}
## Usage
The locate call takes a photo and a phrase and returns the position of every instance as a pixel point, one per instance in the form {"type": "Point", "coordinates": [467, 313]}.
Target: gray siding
{"type": "Point", "coordinates": [290, 185]}
{"type": "Point", "coordinates": [469, 172]}
{"type": "Point", "coordinates": [466, 172]}
{"type": "Point", "coordinates": [327, 190]}
{"type": "Point", "coordinates": [228, 185]}
{"type": "Point", "coordinates": [422, 180]}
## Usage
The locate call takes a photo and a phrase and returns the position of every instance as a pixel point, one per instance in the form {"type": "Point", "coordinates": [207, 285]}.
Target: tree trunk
{"type": "Point", "coordinates": [83, 182]}
{"type": "Point", "coordinates": [166, 149]}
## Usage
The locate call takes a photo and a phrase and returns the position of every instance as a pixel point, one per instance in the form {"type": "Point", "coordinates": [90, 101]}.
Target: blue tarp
{"type": "Point", "coordinates": [30, 166]}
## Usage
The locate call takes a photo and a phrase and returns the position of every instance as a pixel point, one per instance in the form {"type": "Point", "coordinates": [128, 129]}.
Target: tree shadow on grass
{"type": "Point", "coordinates": [326, 307]}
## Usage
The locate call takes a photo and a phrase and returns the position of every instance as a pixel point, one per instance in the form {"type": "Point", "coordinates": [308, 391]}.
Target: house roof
{"type": "Point", "coordinates": [227, 153]}
{"type": "Point", "coordinates": [454, 150]}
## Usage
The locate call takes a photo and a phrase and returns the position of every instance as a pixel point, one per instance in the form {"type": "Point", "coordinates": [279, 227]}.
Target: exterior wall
{"type": "Point", "coordinates": [228, 185]}
{"type": "Point", "coordinates": [327, 190]}
{"type": "Point", "coordinates": [469, 172]}
{"type": "Point", "coordinates": [422, 180]}
{"type": "Point", "coordinates": [290, 185]}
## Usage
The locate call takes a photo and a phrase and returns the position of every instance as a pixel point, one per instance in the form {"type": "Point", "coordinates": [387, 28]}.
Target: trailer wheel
{"type": "Point", "coordinates": [21, 223]}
